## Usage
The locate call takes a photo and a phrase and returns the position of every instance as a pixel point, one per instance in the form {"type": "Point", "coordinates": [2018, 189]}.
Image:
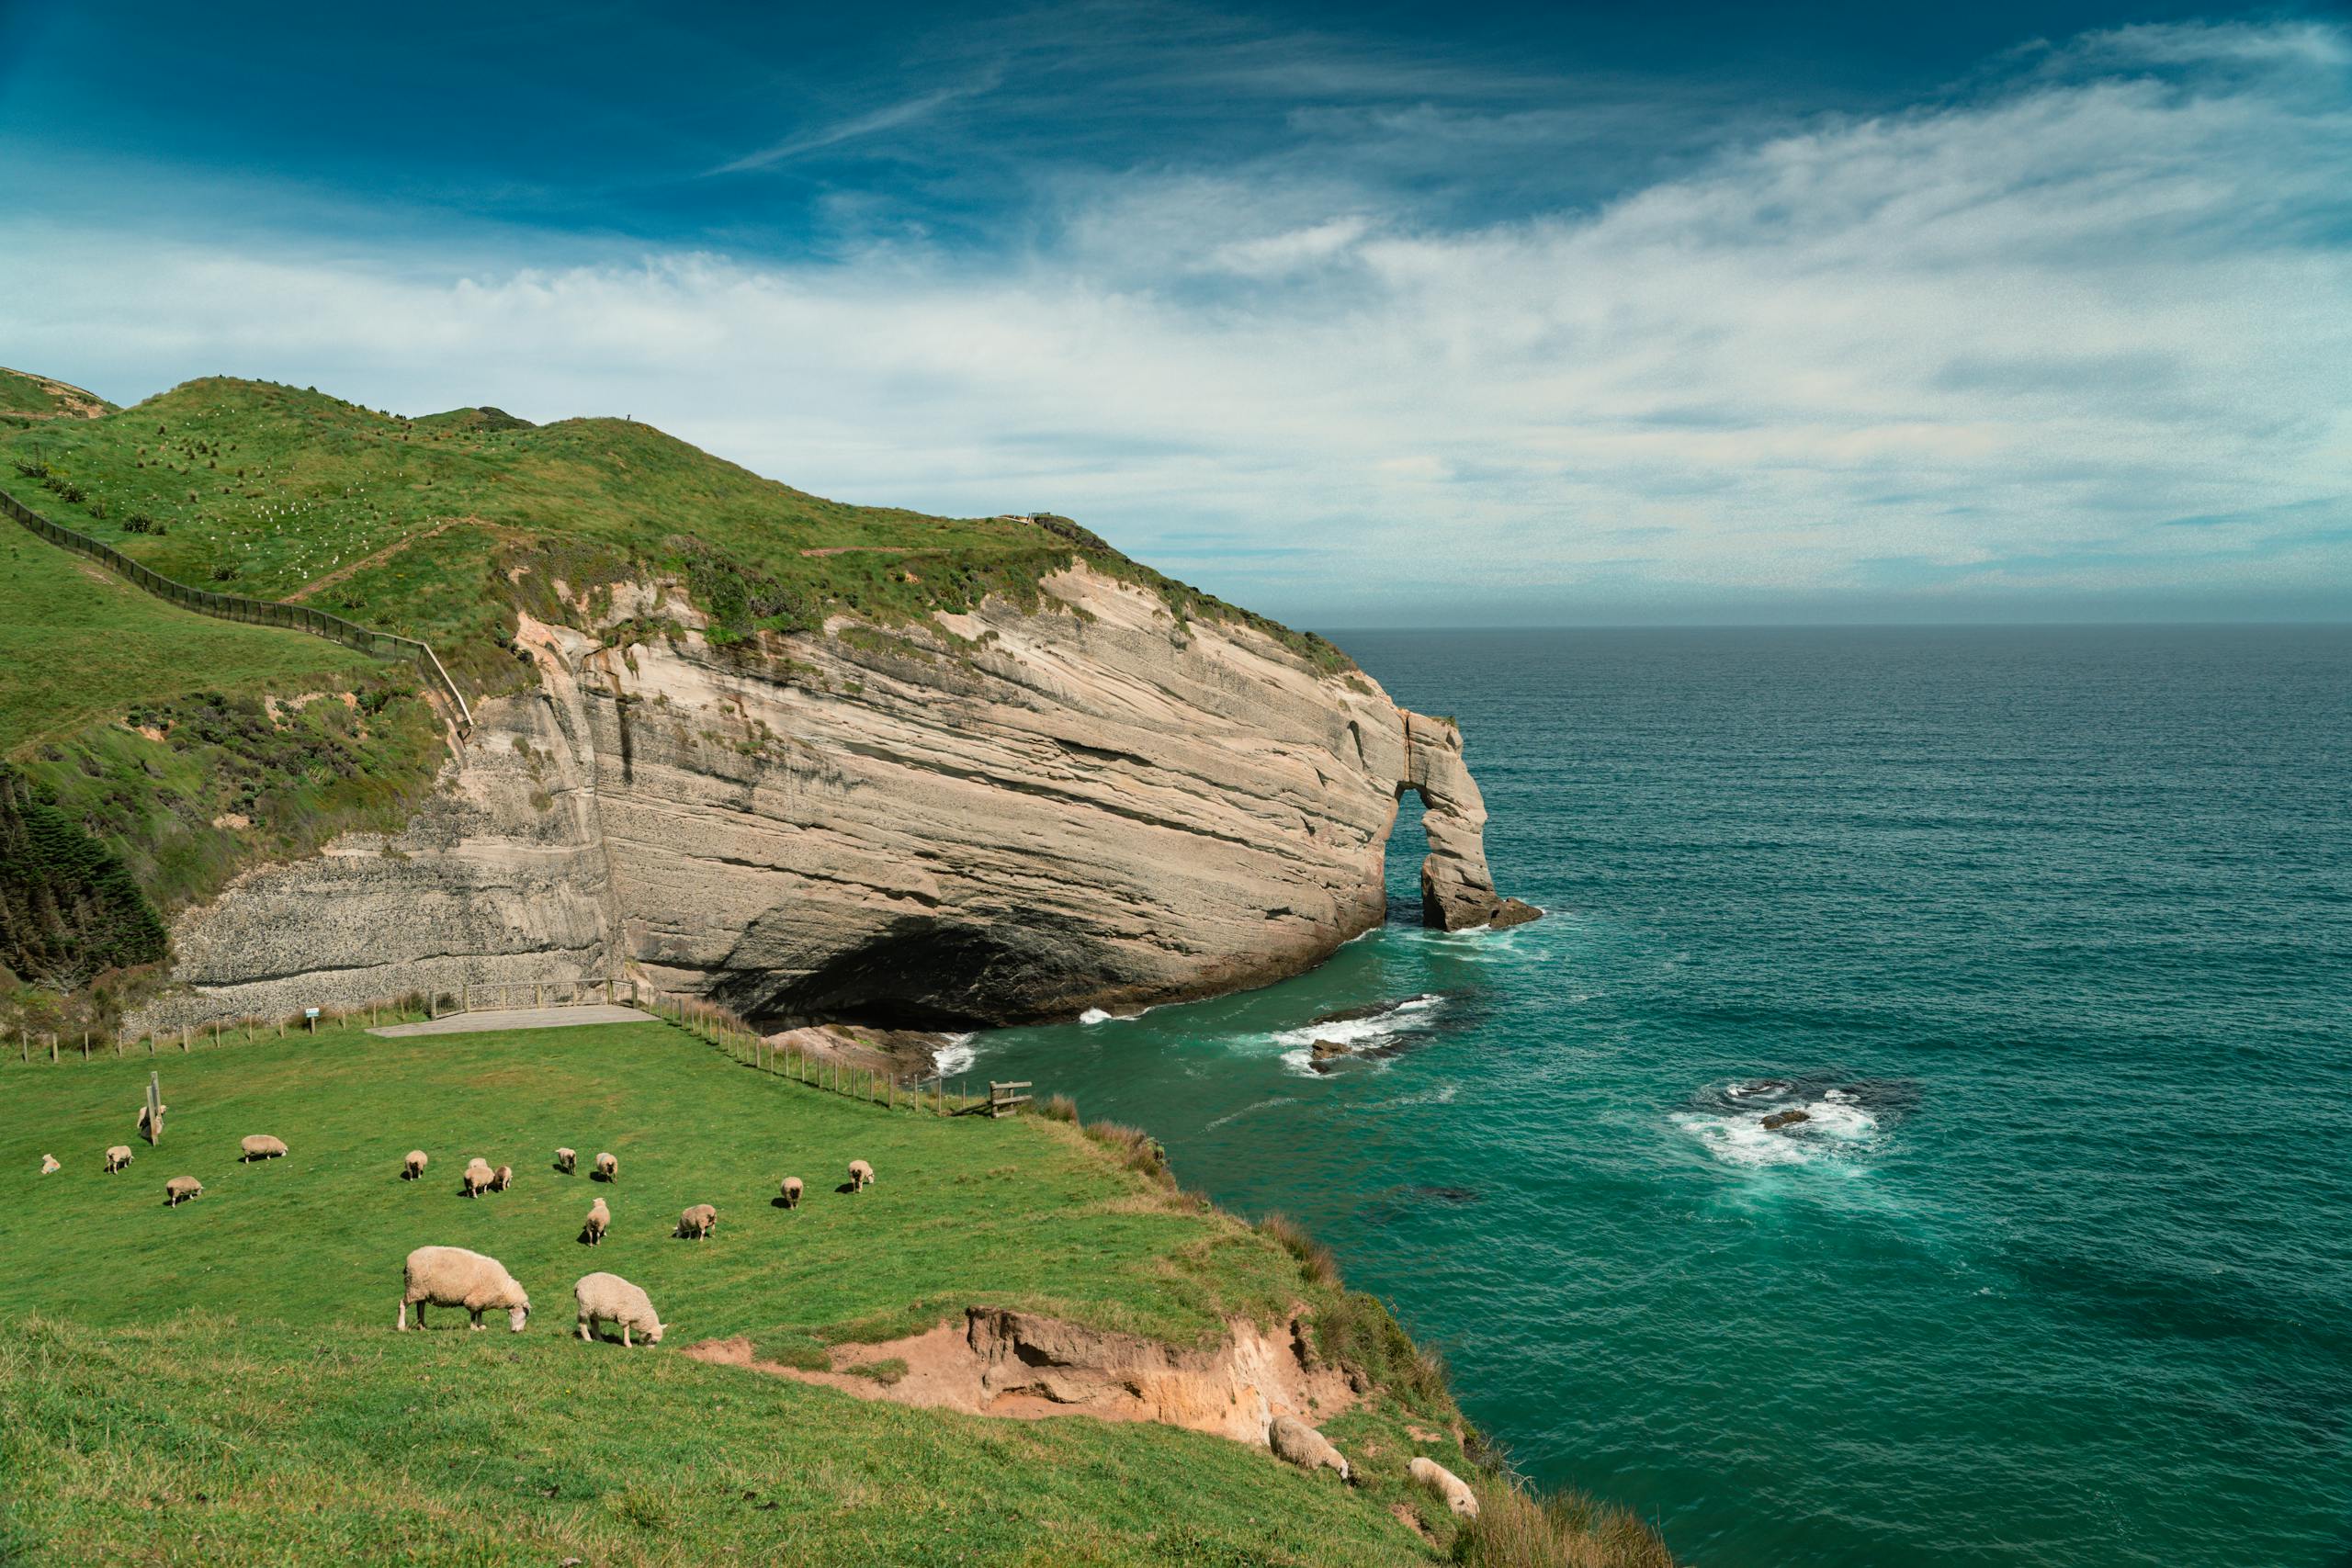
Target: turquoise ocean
{"type": "Point", "coordinates": [2049, 932]}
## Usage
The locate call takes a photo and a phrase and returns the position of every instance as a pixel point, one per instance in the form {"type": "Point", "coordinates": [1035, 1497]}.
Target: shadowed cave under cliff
{"type": "Point", "coordinates": [930, 972]}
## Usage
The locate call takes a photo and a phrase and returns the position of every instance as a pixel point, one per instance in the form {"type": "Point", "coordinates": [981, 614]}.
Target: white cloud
{"type": "Point", "coordinates": [2089, 333]}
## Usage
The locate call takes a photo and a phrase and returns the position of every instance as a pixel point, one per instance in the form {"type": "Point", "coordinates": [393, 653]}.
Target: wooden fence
{"type": "Point", "coordinates": [714, 1025]}
{"type": "Point", "coordinates": [726, 1032]}
{"type": "Point", "coordinates": [236, 608]}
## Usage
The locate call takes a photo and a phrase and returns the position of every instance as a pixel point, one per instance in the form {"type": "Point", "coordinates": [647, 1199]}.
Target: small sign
{"type": "Point", "coordinates": [310, 1013]}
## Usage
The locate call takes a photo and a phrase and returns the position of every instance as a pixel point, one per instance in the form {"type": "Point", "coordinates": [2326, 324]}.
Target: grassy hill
{"type": "Point", "coordinates": [222, 1383]}
{"type": "Point", "coordinates": [439, 527]}
{"type": "Point", "coordinates": [27, 401]}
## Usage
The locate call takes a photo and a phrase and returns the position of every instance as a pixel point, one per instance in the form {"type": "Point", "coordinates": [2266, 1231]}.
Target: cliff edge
{"type": "Point", "coordinates": [984, 818]}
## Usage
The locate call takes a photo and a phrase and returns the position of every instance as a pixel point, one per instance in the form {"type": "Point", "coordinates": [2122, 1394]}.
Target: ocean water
{"type": "Point", "coordinates": [2050, 933]}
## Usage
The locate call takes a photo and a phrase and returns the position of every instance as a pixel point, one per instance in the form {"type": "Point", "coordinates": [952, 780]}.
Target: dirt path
{"type": "Point", "coordinates": [387, 553]}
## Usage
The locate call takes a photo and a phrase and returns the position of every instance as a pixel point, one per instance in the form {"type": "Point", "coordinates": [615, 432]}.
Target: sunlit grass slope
{"type": "Point", "coordinates": [228, 1370]}
{"type": "Point", "coordinates": [437, 527]}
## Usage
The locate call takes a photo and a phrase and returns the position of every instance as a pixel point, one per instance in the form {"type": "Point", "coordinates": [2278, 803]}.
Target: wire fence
{"type": "Point", "coordinates": [255, 611]}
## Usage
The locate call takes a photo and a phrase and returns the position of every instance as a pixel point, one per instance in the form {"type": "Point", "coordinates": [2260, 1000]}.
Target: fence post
{"type": "Point", "coordinates": [52, 1050]}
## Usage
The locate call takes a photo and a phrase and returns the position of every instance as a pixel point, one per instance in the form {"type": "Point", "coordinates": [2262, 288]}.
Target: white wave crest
{"type": "Point", "coordinates": [1833, 1127]}
{"type": "Point", "coordinates": [957, 1056]}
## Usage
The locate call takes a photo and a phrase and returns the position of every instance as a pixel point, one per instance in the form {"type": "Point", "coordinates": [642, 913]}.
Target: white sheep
{"type": "Point", "coordinates": [608, 1168]}
{"type": "Point", "coordinates": [453, 1277]}
{"type": "Point", "coordinates": [117, 1158]}
{"type": "Point", "coordinates": [261, 1145]}
{"type": "Point", "coordinates": [1294, 1440]}
{"type": "Point", "coordinates": [414, 1166]}
{"type": "Point", "coordinates": [1447, 1485]}
{"type": "Point", "coordinates": [502, 1179]}
{"type": "Point", "coordinates": [861, 1174]}
{"type": "Point", "coordinates": [182, 1188]}
{"type": "Point", "coordinates": [150, 1129]}
{"type": "Point", "coordinates": [792, 1191]}
{"type": "Point", "coordinates": [599, 1219]}
{"type": "Point", "coordinates": [566, 1161]}
{"type": "Point", "coordinates": [697, 1222]}
{"type": "Point", "coordinates": [608, 1297]}
{"type": "Point", "coordinates": [49, 1166]}
{"type": "Point", "coordinates": [478, 1176]}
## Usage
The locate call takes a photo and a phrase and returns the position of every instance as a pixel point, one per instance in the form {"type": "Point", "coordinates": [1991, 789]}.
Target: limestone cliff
{"type": "Point", "coordinates": [986, 818]}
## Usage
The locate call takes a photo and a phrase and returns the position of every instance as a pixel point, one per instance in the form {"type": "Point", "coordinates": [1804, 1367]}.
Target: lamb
{"type": "Point", "coordinates": [1447, 1485]}
{"type": "Point", "coordinates": [412, 1167]}
{"type": "Point", "coordinates": [117, 1158]}
{"type": "Point", "coordinates": [261, 1145]}
{"type": "Point", "coordinates": [49, 1166]}
{"type": "Point", "coordinates": [181, 1188]}
{"type": "Point", "coordinates": [792, 1192]}
{"type": "Point", "coordinates": [453, 1277]}
{"type": "Point", "coordinates": [697, 1222]}
{"type": "Point", "coordinates": [478, 1175]}
{"type": "Point", "coordinates": [502, 1179]}
{"type": "Point", "coordinates": [599, 1217]}
{"type": "Point", "coordinates": [1294, 1440]}
{"type": "Point", "coordinates": [608, 1168]}
{"type": "Point", "coordinates": [861, 1174]}
{"type": "Point", "coordinates": [608, 1297]}
{"type": "Point", "coordinates": [566, 1161]}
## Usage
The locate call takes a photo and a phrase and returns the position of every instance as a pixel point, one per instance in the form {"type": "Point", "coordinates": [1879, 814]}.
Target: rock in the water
{"type": "Point", "coordinates": [1512, 912]}
{"type": "Point", "coordinates": [1326, 1049]}
{"type": "Point", "coordinates": [1780, 1119]}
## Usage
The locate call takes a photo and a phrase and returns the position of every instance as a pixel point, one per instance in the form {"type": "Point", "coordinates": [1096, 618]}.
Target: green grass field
{"type": "Point", "coordinates": [80, 644]}
{"type": "Point", "coordinates": [222, 1382]}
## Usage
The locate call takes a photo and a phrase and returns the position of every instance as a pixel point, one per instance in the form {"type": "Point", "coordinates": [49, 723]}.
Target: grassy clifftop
{"type": "Point", "coordinates": [222, 1382]}
{"type": "Point", "coordinates": [439, 526]}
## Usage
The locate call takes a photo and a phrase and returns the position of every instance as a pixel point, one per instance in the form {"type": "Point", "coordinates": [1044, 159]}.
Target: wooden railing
{"type": "Point", "coordinates": [257, 612]}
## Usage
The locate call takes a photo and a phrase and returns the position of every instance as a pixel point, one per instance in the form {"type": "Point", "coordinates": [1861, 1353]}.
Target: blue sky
{"type": "Point", "coordinates": [1382, 314]}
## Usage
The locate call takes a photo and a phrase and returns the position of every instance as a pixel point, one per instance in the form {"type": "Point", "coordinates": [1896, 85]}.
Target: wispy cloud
{"type": "Point", "coordinates": [2014, 345]}
{"type": "Point", "coordinates": [874, 122]}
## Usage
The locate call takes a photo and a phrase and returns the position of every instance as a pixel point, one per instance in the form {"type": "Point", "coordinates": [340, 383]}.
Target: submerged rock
{"type": "Point", "coordinates": [1780, 1119]}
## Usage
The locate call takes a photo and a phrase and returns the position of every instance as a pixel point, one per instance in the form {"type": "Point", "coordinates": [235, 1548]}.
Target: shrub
{"type": "Point", "coordinates": [1357, 1333]}
{"type": "Point", "coordinates": [1060, 1108]}
{"type": "Point", "coordinates": [1315, 1259]}
{"type": "Point", "coordinates": [1567, 1529]}
{"type": "Point", "coordinates": [1138, 1149]}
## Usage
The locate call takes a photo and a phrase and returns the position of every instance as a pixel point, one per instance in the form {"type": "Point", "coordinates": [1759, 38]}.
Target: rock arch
{"type": "Point", "coordinates": [1457, 890]}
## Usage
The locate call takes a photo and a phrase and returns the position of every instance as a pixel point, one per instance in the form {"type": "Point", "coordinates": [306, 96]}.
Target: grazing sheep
{"type": "Point", "coordinates": [502, 1179]}
{"type": "Point", "coordinates": [414, 1166]}
{"type": "Point", "coordinates": [697, 1222]}
{"type": "Point", "coordinates": [117, 1158]}
{"type": "Point", "coordinates": [599, 1218]}
{"type": "Point", "coordinates": [861, 1174]}
{"type": "Point", "coordinates": [49, 1166]}
{"type": "Point", "coordinates": [478, 1176]}
{"type": "Point", "coordinates": [566, 1161]}
{"type": "Point", "coordinates": [608, 1297]}
{"type": "Point", "coordinates": [1446, 1484]}
{"type": "Point", "coordinates": [792, 1192]}
{"type": "Point", "coordinates": [608, 1168]}
{"type": "Point", "coordinates": [182, 1188]}
{"type": "Point", "coordinates": [152, 1133]}
{"type": "Point", "coordinates": [1294, 1440]}
{"type": "Point", "coordinates": [453, 1277]}
{"type": "Point", "coordinates": [261, 1145]}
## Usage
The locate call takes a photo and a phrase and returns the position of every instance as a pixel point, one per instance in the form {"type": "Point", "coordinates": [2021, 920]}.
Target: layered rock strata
{"type": "Point", "coordinates": [994, 816]}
